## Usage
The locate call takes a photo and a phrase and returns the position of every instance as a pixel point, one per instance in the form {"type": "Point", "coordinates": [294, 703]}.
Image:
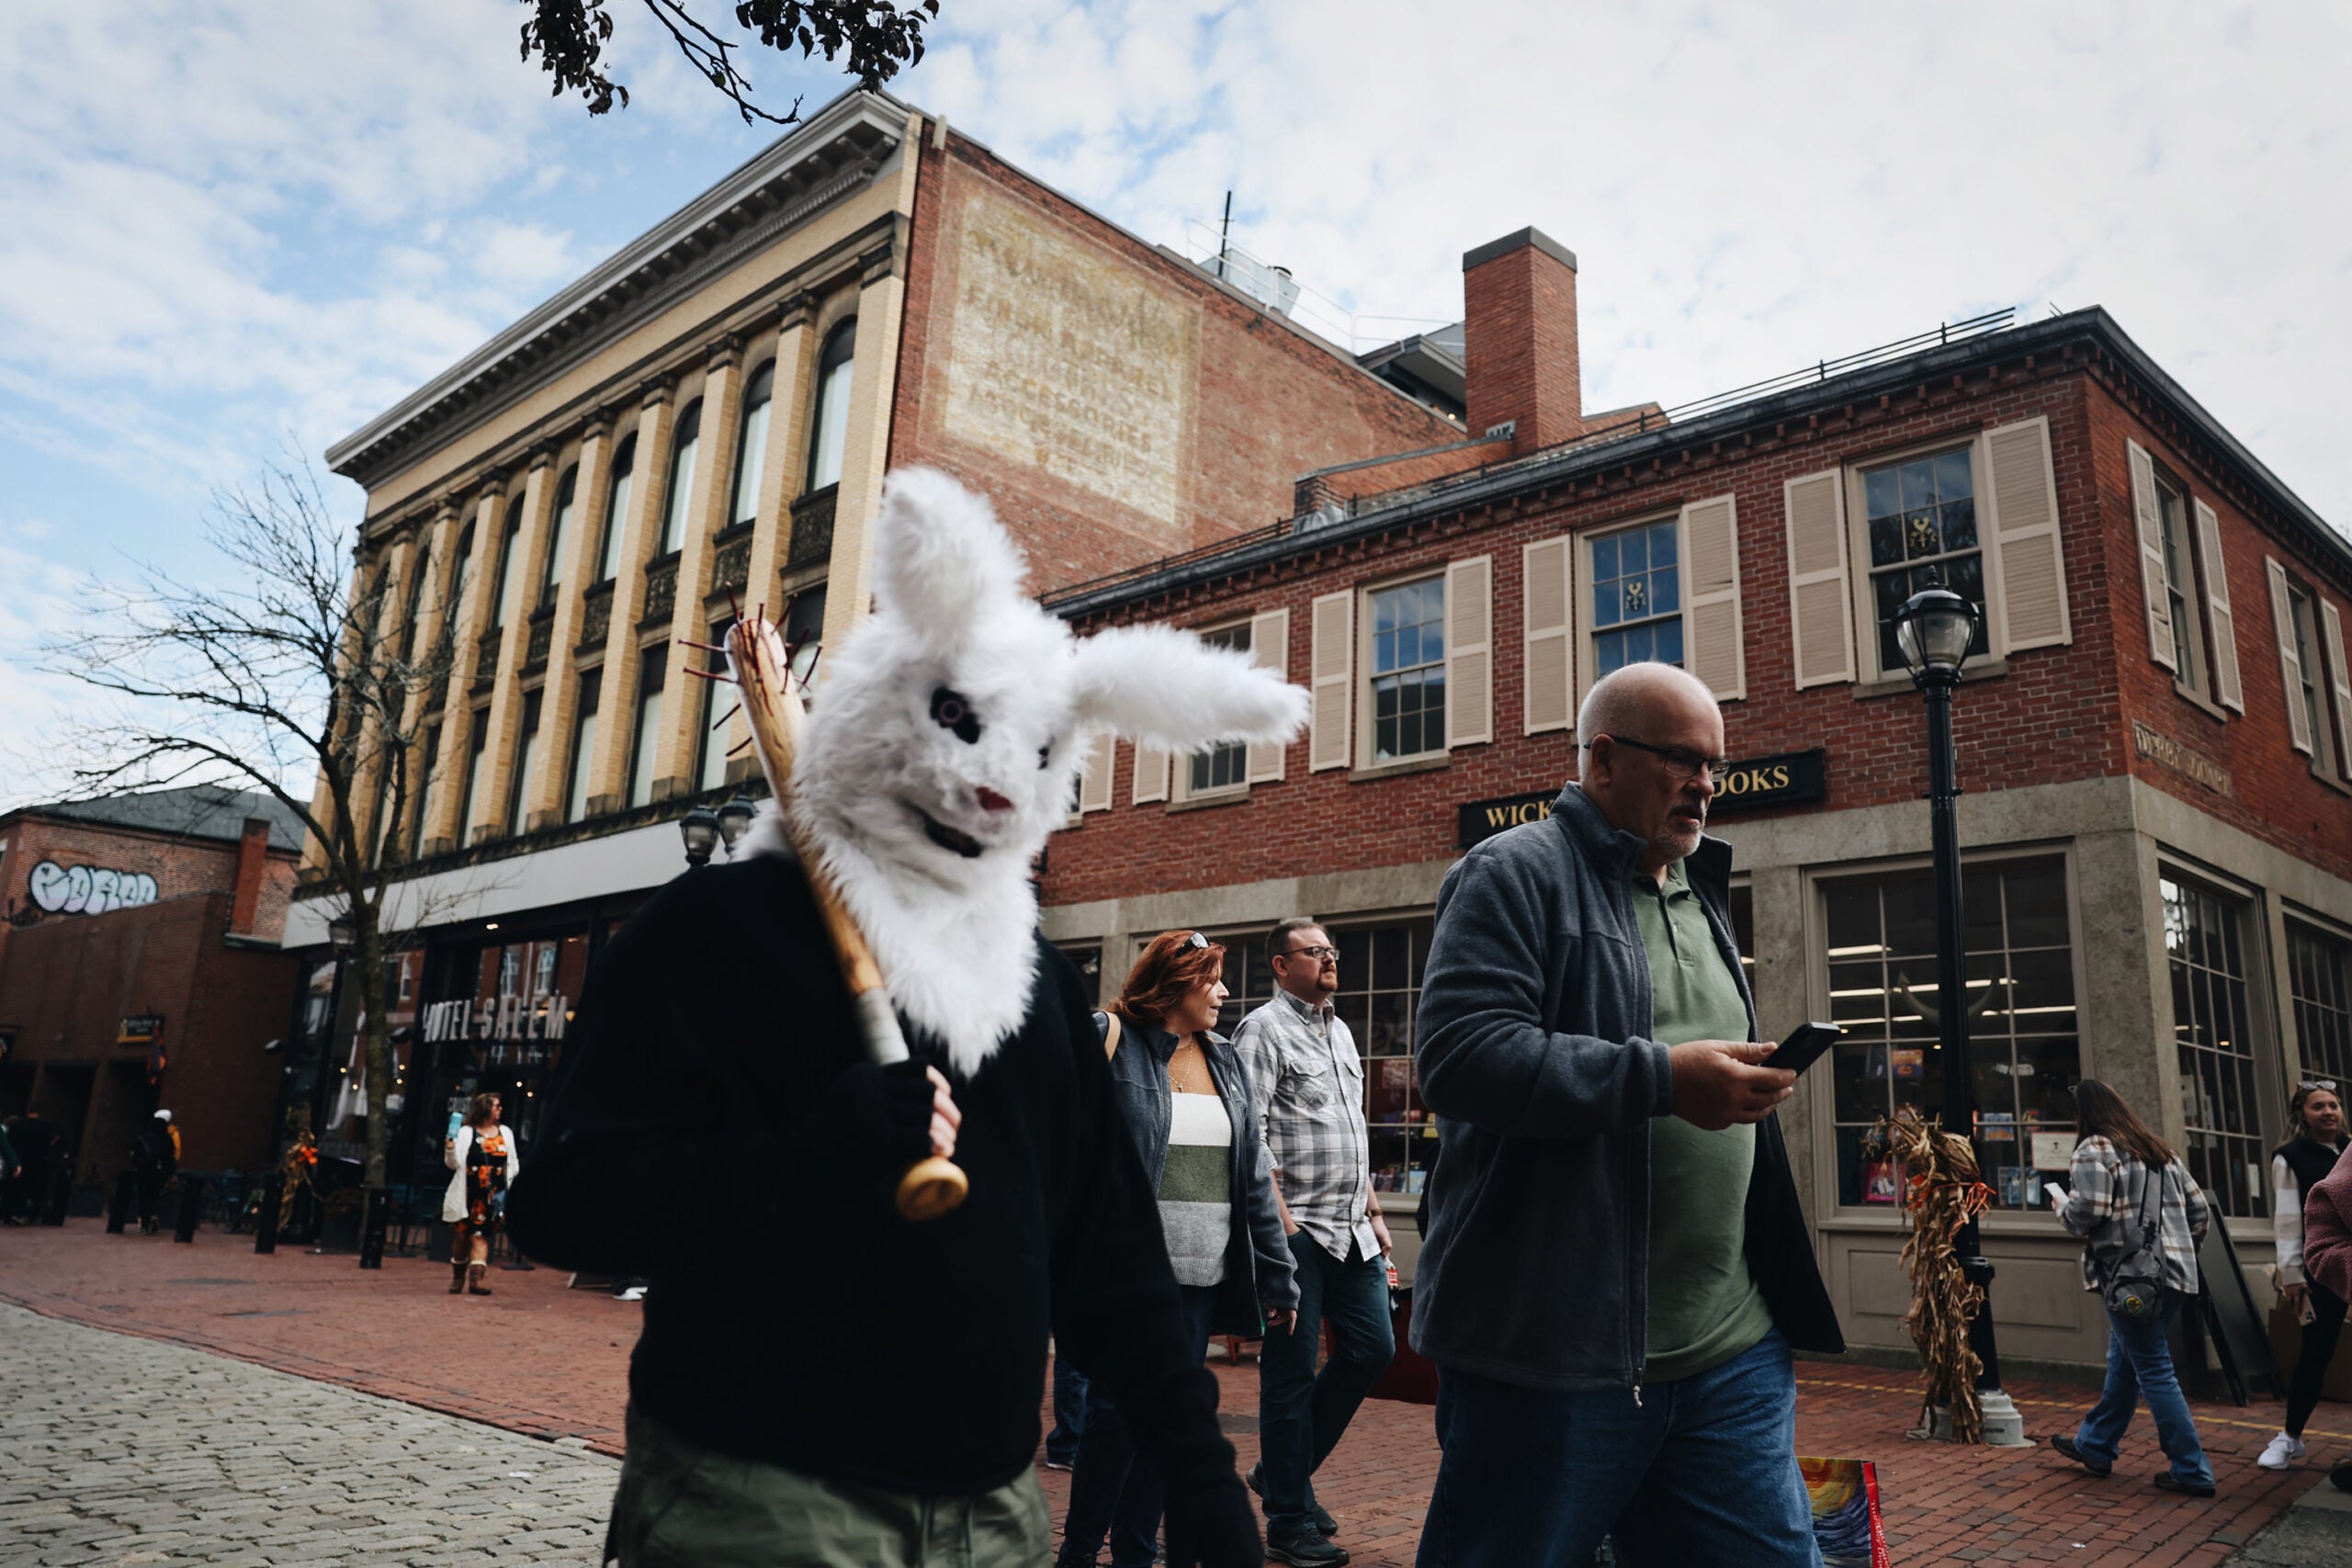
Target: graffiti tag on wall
{"type": "Point", "coordinates": [88, 889]}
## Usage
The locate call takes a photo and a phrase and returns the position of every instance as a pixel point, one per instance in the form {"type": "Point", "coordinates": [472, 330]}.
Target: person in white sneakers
{"type": "Point", "coordinates": [2316, 1114]}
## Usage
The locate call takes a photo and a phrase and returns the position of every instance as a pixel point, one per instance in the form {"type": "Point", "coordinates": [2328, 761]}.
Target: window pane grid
{"type": "Point", "coordinates": [2210, 1026]}
{"type": "Point", "coordinates": [2023, 1047]}
{"type": "Point", "coordinates": [1222, 767]}
{"type": "Point", "coordinates": [1637, 597]}
{"type": "Point", "coordinates": [1409, 670]}
{"type": "Point", "coordinates": [1919, 519]}
{"type": "Point", "coordinates": [2319, 979]}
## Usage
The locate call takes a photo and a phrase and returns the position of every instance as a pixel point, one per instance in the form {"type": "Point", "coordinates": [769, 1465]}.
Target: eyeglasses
{"type": "Point", "coordinates": [1683, 765]}
{"type": "Point", "coordinates": [2327, 1084]}
{"type": "Point", "coordinates": [1317, 954]}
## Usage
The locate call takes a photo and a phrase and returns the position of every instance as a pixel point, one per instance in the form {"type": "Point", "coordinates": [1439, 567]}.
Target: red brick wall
{"type": "Point", "coordinates": [179, 865]}
{"type": "Point", "coordinates": [1262, 406]}
{"type": "Point", "coordinates": [1520, 348]}
{"type": "Point", "coordinates": [2058, 714]}
{"type": "Point", "coordinates": [67, 985]}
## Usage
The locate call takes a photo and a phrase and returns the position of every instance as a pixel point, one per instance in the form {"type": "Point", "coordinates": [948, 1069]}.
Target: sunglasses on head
{"type": "Point", "coordinates": [2327, 1084]}
{"type": "Point", "coordinates": [1197, 940]}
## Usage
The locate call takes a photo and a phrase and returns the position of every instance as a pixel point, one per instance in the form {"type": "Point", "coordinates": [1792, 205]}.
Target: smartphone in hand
{"type": "Point", "coordinates": [1803, 1047]}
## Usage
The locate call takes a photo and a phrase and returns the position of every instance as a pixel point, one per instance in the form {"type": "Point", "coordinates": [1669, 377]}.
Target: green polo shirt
{"type": "Point", "coordinates": [1704, 1308]}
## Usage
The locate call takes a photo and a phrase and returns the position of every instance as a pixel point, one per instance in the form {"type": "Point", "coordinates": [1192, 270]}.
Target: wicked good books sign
{"type": "Point", "coordinates": [1787, 778]}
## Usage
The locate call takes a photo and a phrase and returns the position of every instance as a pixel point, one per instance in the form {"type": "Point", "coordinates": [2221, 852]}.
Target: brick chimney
{"type": "Point", "coordinates": [1518, 298]}
{"type": "Point", "coordinates": [253, 862]}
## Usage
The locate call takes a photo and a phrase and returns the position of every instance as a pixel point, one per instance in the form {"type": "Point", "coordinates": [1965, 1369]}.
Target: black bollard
{"type": "Point", "coordinates": [119, 1212]}
{"type": "Point", "coordinates": [371, 1238]}
{"type": "Point", "coordinates": [265, 1223]}
{"type": "Point", "coordinates": [192, 1208]}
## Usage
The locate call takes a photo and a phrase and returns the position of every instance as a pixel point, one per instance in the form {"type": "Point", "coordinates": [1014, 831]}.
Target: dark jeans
{"type": "Point", "coordinates": [2311, 1360]}
{"type": "Point", "coordinates": [2138, 1366]}
{"type": "Point", "coordinates": [1070, 1411]}
{"type": "Point", "coordinates": [1113, 1487]}
{"type": "Point", "coordinates": [1702, 1470]}
{"type": "Point", "coordinates": [1302, 1412]}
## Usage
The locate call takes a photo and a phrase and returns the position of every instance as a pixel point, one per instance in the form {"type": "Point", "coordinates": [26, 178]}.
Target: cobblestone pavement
{"type": "Point", "coordinates": [539, 1359]}
{"type": "Point", "coordinates": [119, 1451]}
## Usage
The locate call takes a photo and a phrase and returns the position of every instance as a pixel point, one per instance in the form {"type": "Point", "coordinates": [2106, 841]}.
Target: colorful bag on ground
{"type": "Point", "coordinates": [1846, 1521]}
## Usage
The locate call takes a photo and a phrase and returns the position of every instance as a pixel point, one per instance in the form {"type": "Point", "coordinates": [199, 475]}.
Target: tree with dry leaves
{"type": "Point", "coordinates": [871, 39]}
{"type": "Point", "coordinates": [297, 674]}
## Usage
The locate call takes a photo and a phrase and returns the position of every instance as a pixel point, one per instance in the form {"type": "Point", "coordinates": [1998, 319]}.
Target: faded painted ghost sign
{"type": "Point", "coordinates": [88, 889]}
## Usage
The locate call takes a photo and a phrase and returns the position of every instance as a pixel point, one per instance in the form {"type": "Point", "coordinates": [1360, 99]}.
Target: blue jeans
{"type": "Point", "coordinates": [1070, 1411]}
{"type": "Point", "coordinates": [2138, 1366]}
{"type": "Point", "coordinates": [1302, 1412]}
{"type": "Point", "coordinates": [1113, 1487]}
{"type": "Point", "coordinates": [1703, 1470]}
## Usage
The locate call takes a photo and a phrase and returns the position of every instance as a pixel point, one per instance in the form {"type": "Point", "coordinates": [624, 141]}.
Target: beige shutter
{"type": "Point", "coordinates": [1331, 659]}
{"type": "Point", "coordinates": [2341, 682]}
{"type": "Point", "coordinates": [2290, 664]}
{"type": "Point", "coordinates": [1713, 649]}
{"type": "Point", "coordinates": [1094, 792]}
{"type": "Point", "coordinates": [2161, 646]}
{"type": "Point", "coordinates": [2027, 560]}
{"type": "Point", "coordinates": [1151, 774]}
{"type": "Point", "coordinates": [1470, 651]}
{"type": "Point", "coordinates": [1821, 602]}
{"type": "Point", "coordinates": [1547, 690]}
{"type": "Point", "coordinates": [1269, 649]}
{"type": "Point", "coordinates": [2217, 611]}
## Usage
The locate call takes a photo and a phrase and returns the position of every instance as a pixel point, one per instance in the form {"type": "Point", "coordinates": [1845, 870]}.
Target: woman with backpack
{"type": "Point", "coordinates": [1188, 1109]}
{"type": "Point", "coordinates": [2299, 1165]}
{"type": "Point", "coordinates": [2138, 1214]}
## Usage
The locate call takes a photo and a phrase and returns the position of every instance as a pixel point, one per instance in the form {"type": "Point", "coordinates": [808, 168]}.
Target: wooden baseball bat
{"type": "Point", "coordinates": [933, 1185]}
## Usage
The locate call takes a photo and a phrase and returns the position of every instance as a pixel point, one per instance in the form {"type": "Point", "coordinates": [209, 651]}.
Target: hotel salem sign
{"type": "Point", "coordinates": [1790, 778]}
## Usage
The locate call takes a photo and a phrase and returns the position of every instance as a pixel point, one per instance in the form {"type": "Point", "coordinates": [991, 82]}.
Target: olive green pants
{"type": "Point", "coordinates": [681, 1505]}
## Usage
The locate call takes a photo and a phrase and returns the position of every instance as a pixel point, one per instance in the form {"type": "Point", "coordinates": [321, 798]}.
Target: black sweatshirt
{"type": "Point", "coordinates": [703, 1131]}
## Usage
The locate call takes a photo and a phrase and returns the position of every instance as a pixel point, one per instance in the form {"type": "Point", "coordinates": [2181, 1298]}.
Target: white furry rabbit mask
{"type": "Point", "coordinates": [948, 734]}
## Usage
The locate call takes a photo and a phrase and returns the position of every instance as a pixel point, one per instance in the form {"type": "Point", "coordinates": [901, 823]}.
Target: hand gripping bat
{"type": "Point", "coordinates": [931, 1186]}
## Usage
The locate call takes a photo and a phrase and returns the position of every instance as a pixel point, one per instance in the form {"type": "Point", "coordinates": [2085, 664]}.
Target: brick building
{"type": "Point", "coordinates": [140, 967]}
{"type": "Point", "coordinates": [708, 416]}
{"type": "Point", "coordinates": [2156, 740]}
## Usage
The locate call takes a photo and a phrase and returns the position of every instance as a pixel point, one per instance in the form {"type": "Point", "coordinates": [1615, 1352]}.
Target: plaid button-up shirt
{"type": "Point", "coordinates": [1308, 1084]}
{"type": "Point", "coordinates": [2108, 1192]}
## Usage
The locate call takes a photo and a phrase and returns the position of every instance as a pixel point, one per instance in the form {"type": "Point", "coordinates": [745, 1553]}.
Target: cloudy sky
{"type": "Point", "coordinates": [230, 230]}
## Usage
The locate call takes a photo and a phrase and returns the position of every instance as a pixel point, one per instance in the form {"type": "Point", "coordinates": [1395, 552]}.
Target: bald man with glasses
{"type": "Point", "coordinates": [1616, 1269]}
{"type": "Point", "coordinates": [1307, 1082]}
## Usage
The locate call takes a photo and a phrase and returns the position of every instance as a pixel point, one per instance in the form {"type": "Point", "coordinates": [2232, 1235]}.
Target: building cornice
{"type": "Point", "coordinates": [2089, 336]}
{"type": "Point", "coordinates": [838, 150]}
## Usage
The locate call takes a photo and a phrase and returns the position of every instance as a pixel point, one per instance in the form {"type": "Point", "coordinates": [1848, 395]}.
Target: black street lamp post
{"type": "Point", "coordinates": [1936, 629]}
{"type": "Point", "coordinates": [699, 828]}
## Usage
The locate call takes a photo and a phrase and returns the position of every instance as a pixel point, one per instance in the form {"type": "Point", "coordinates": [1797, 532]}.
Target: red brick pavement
{"type": "Point", "coordinates": [536, 1358]}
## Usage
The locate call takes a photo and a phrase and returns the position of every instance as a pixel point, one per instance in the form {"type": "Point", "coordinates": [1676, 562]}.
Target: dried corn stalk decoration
{"type": "Point", "coordinates": [1942, 1195]}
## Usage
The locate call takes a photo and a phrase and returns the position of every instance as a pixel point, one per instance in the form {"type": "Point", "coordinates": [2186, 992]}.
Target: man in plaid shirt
{"type": "Point", "coordinates": [1307, 1082]}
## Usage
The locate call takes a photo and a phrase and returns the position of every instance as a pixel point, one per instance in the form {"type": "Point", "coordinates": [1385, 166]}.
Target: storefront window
{"type": "Point", "coordinates": [2212, 1030]}
{"type": "Point", "coordinates": [2022, 1040]}
{"type": "Point", "coordinates": [2319, 974]}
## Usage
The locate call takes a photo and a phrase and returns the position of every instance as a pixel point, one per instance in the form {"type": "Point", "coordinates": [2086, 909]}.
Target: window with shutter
{"type": "Point", "coordinates": [1405, 669]}
{"type": "Point", "coordinates": [1547, 687]}
{"type": "Point", "coordinates": [1820, 612]}
{"type": "Point", "coordinates": [1151, 771]}
{"type": "Point", "coordinates": [2146, 512]}
{"type": "Point", "coordinates": [2302, 715]}
{"type": "Point", "coordinates": [1711, 536]}
{"type": "Point", "coordinates": [1094, 785]}
{"type": "Point", "coordinates": [1470, 651]}
{"type": "Point", "coordinates": [1210, 772]}
{"type": "Point", "coordinates": [2030, 595]}
{"type": "Point", "coordinates": [2340, 682]}
{"type": "Point", "coordinates": [2226, 685]}
{"type": "Point", "coordinates": [1917, 529]}
{"type": "Point", "coordinates": [1331, 679]}
{"type": "Point", "coordinates": [1269, 649]}
{"type": "Point", "coordinates": [1636, 602]}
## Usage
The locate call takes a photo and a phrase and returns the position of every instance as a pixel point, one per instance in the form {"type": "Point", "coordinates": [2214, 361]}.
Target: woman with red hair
{"type": "Point", "coordinates": [1190, 1111]}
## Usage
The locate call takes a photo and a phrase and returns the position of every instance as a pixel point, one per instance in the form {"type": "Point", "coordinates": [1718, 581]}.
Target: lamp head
{"type": "Point", "coordinates": [342, 932]}
{"type": "Point", "coordinates": [1935, 628]}
{"type": "Point", "coordinates": [699, 828]}
{"type": "Point", "coordinates": [735, 821]}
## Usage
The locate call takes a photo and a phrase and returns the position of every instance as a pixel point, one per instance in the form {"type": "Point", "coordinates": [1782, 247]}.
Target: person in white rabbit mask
{"type": "Point", "coordinates": [820, 1381]}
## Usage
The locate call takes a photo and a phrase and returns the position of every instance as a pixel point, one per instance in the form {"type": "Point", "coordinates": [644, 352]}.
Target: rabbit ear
{"type": "Point", "coordinates": [940, 563]}
{"type": "Point", "coordinates": [1167, 688]}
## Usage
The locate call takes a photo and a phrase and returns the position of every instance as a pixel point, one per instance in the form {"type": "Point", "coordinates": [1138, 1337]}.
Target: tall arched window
{"type": "Point", "coordinates": [565, 505]}
{"type": "Point", "coordinates": [502, 607]}
{"type": "Point", "coordinates": [830, 426]}
{"type": "Point", "coordinates": [608, 557]}
{"type": "Point", "coordinates": [750, 445]}
{"type": "Point", "coordinates": [461, 572]}
{"type": "Point", "coordinates": [682, 478]}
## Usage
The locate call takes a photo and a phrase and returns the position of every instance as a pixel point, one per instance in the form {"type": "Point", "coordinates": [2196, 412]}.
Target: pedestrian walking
{"type": "Point", "coordinates": [2327, 1258]}
{"type": "Point", "coordinates": [1186, 1103]}
{"type": "Point", "coordinates": [2316, 1115]}
{"type": "Point", "coordinates": [482, 1153]}
{"type": "Point", "coordinates": [1069, 1413]}
{"type": "Point", "coordinates": [1307, 1082]}
{"type": "Point", "coordinates": [2138, 1214]}
{"type": "Point", "coordinates": [154, 1157]}
{"type": "Point", "coordinates": [1617, 1268]}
